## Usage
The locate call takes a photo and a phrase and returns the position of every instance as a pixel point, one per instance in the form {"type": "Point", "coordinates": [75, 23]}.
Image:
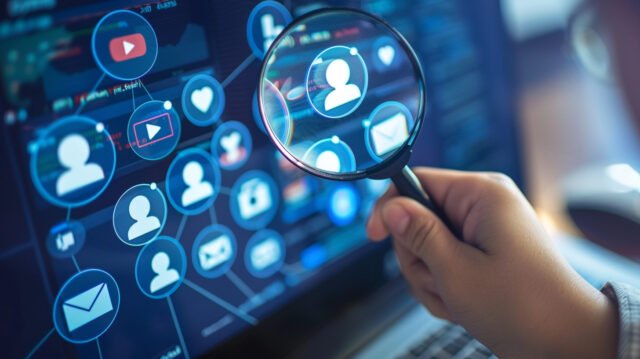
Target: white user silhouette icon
{"type": "Point", "coordinates": [164, 275]}
{"type": "Point", "coordinates": [197, 188]}
{"type": "Point", "coordinates": [139, 210]}
{"type": "Point", "coordinates": [73, 154]}
{"type": "Point", "coordinates": [337, 76]}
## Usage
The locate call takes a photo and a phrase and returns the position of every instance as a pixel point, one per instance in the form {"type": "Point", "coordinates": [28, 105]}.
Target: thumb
{"type": "Point", "coordinates": [422, 232]}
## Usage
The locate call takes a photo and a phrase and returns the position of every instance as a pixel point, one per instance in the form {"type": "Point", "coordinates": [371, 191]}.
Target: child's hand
{"type": "Point", "coordinates": [505, 283]}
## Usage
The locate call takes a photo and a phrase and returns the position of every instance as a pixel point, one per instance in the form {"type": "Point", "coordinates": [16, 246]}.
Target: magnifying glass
{"type": "Point", "coordinates": [342, 96]}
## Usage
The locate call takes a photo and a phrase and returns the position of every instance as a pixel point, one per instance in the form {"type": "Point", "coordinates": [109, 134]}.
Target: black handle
{"type": "Point", "coordinates": [408, 185]}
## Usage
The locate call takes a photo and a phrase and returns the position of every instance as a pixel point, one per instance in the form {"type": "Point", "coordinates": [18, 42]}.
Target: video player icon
{"type": "Point", "coordinates": [147, 130]}
{"type": "Point", "coordinates": [154, 130]}
{"type": "Point", "coordinates": [127, 47]}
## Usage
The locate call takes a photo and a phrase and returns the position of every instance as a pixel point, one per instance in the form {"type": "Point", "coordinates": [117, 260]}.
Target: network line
{"type": "Point", "coordinates": [39, 344]}
{"type": "Point", "coordinates": [238, 70]}
{"type": "Point", "coordinates": [230, 308]}
{"type": "Point", "coordinates": [95, 87]}
{"type": "Point", "coordinates": [183, 223]}
{"type": "Point", "coordinates": [99, 348]}
{"type": "Point", "coordinates": [178, 329]}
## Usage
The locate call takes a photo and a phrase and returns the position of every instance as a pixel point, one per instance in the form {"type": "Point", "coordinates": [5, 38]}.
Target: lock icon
{"type": "Point", "coordinates": [254, 198]}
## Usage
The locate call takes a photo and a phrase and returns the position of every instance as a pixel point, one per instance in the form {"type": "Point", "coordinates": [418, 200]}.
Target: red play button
{"type": "Point", "coordinates": [127, 47]}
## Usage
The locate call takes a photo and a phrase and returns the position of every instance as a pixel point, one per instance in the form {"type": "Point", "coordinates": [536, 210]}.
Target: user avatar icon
{"type": "Point", "coordinates": [197, 188]}
{"type": "Point", "coordinates": [73, 154]}
{"type": "Point", "coordinates": [231, 145]}
{"type": "Point", "coordinates": [337, 81]}
{"type": "Point", "coordinates": [72, 161]}
{"type": "Point", "coordinates": [338, 74]}
{"type": "Point", "coordinates": [139, 215]}
{"type": "Point", "coordinates": [165, 276]}
{"type": "Point", "coordinates": [193, 181]}
{"type": "Point", "coordinates": [160, 267]}
{"type": "Point", "coordinates": [139, 210]}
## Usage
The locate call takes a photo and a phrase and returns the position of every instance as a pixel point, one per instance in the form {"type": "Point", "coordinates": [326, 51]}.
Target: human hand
{"type": "Point", "coordinates": [503, 281]}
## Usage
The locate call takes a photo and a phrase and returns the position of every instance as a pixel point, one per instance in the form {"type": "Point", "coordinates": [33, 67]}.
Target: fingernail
{"type": "Point", "coordinates": [396, 218]}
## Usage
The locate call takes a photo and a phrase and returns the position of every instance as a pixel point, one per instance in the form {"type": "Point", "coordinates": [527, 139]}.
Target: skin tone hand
{"type": "Point", "coordinates": [504, 282]}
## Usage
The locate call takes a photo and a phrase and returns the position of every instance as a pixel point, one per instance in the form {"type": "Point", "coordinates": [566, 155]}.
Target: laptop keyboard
{"type": "Point", "coordinates": [451, 341]}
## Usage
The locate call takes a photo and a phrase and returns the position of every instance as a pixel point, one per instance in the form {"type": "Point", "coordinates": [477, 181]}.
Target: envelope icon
{"type": "Point", "coordinates": [87, 306]}
{"type": "Point", "coordinates": [389, 134]}
{"type": "Point", "coordinates": [215, 252]}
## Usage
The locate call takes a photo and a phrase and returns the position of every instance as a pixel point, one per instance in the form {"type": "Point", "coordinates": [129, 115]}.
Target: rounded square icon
{"type": "Point", "coordinates": [140, 214]}
{"type": "Point", "coordinates": [265, 253]}
{"type": "Point", "coordinates": [66, 239]}
{"type": "Point", "coordinates": [388, 128]}
{"type": "Point", "coordinates": [231, 145]}
{"type": "Point", "coordinates": [73, 161]}
{"type": "Point", "coordinates": [254, 200]}
{"type": "Point", "coordinates": [86, 306]}
{"type": "Point", "coordinates": [124, 45]}
{"type": "Point", "coordinates": [266, 22]}
{"type": "Point", "coordinates": [160, 267]}
{"type": "Point", "coordinates": [154, 130]}
{"type": "Point", "coordinates": [337, 81]}
{"type": "Point", "coordinates": [214, 251]}
{"type": "Point", "coordinates": [330, 155]}
{"type": "Point", "coordinates": [203, 100]}
{"type": "Point", "coordinates": [193, 181]}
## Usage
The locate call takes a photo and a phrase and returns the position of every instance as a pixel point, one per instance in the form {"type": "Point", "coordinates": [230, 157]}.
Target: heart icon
{"type": "Point", "coordinates": [202, 99]}
{"type": "Point", "coordinates": [386, 54]}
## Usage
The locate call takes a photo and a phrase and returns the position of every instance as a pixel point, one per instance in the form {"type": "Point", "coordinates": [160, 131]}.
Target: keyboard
{"type": "Point", "coordinates": [450, 341]}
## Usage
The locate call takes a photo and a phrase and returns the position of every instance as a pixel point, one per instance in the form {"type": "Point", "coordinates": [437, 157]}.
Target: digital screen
{"type": "Point", "coordinates": [149, 213]}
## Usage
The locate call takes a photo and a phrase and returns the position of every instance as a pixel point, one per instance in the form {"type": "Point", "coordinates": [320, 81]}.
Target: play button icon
{"type": "Point", "coordinates": [152, 131]}
{"type": "Point", "coordinates": [129, 47]}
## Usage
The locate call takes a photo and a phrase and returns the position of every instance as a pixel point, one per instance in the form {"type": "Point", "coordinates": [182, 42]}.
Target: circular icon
{"type": "Point", "coordinates": [160, 267]}
{"type": "Point", "coordinates": [154, 130]}
{"type": "Point", "coordinates": [254, 200]}
{"type": "Point", "coordinates": [73, 161]}
{"type": "Point", "coordinates": [266, 22]}
{"type": "Point", "coordinates": [66, 239]}
{"type": "Point", "coordinates": [124, 45]}
{"type": "Point", "coordinates": [231, 145]}
{"type": "Point", "coordinates": [214, 251]}
{"type": "Point", "coordinates": [86, 306]}
{"type": "Point", "coordinates": [265, 253]}
{"type": "Point", "coordinates": [276, 110]}
{"type": "Point", "coordinates": [388, 118]}
{"type": "Point", "coordinates": [385, 54]}
{"type": "Point", "coordinates": [193, 182]}
{"type": "Point", "coordinates": [337, 81]}
{"type": "Point", "coordinates": [140, 214]}
{"type": "Point", "coordinates": [203, 100]}
{"type": "Point", "coordinates": [331, 155]}
{"type": "Point", "coordinates": [343, 204]}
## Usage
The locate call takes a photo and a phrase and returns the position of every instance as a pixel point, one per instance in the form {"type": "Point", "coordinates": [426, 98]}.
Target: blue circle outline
{"type": "Point", "coordinates": [352, 156]}
{"type": "Point", "coordinates": [95, 54]}
{"type": "Point", "coordinates": [76, 247]}
{"type": "Point", "coordinates": [183, 269]}
{"type": "Point", "coordinates": [177, 135]}
{"type": "Point", "coordinates": [362, 96]}
{"type": "Point", "coordinates": [219, 98]}
{"type": "Point", "coordinates": [289, 125]}
{"type": "Point", "coordinates": [211, 274]}
{"type": "Point", "coordinates": [261, 235]}
{"type": "Point", "coordinates": [33, 167]}
{"type": "Point", "coordinates": [262, 219]}
{"type": "Point", "coordinates": [284, 12]}
{"type": "Point", "coordinates": [57, 300]}
{"type": "Point", "coordinates": [374, 113]}
{"type": "Point", "coordinates": [234, 125]}
{"type": "Point", "coordinates": [216, 185]}
{"type": "Point", "coordinates": [164, 216]}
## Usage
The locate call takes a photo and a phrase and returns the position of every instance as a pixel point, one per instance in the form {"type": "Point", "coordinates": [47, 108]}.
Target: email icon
{"type": "Point", "coordinates": [87, 306]}
{"type": "Point", "coordinates": [265, 254]}
{"type": "Point", "coordinates": [389, 134]}
{"type": "Point", "coordinates": [215, 252]}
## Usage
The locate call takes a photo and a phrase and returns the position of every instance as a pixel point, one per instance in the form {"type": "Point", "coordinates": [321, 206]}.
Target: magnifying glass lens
{"type": "Point", "coordinates": [341, 93]}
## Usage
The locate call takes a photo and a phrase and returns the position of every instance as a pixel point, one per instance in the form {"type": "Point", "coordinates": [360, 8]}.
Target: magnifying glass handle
{"type": "Point", "coordinates": [408, 185]}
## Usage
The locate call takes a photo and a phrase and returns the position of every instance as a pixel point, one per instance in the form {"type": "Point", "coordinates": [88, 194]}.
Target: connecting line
{"type": "Point", "coordinates": [145, 89]}
{"type": "Point", "coordinates": [183, 222]}
{"type": "Point", "coordinates": [35, 348]}
{"type": "Point", "coordinates": [175, 322]}
{"type": "Point", "coordinates": [95, 87]}
{"type": "Point", "coordinates": [240, 284]}
{"type": "Point", "coordinates": [238, 70]}
{"type": "Point", "coordinates": [75, 262]}
{"type": "Point", "coordinates": [225, 190]}
{"type": "Point", "coordinates": [233, 310]}
{"type": "Point", "coordinates": [99, 348]}
{"type": "Point", "coordinates": [212, 215]}
{"type": "Point", "coordinates": [133, 97]}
